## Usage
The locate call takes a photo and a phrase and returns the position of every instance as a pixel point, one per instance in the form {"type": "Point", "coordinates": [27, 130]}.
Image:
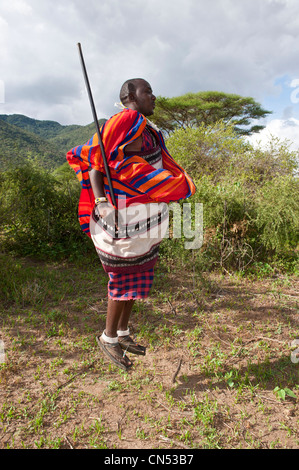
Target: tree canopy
{"type": "Point", "coordinates": [209, 107]}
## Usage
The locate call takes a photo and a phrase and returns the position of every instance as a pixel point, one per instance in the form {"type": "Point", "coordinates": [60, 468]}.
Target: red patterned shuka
{"type": "Point", "coordinates": [149, 179]}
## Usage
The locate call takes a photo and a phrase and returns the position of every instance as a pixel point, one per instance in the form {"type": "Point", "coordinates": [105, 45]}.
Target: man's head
{"type": "Point", "coordinates": [137, 94]}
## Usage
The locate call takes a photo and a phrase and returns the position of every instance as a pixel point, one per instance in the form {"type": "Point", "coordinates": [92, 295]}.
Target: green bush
{"type": "Point", "coordinates": [250, 196]}
{"type": "Point", "coordinates": [39, 212]}
{"type": "Point", "coordinates": [217, 151]}
{"type": "Point", "coordinates": [277, 217]}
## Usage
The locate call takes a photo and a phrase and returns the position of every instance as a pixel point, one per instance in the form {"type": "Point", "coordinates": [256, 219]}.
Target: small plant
{"type": "Point", "coordinates": [283, 392]}
{"type": "Point", "coordinates": [140, 434]}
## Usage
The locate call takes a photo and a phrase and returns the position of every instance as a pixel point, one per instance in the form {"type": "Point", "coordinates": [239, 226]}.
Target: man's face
{"type": "Point", "coordinates": [144, 98]}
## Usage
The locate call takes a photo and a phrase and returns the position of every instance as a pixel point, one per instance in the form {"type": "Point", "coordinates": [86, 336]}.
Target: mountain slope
{"type": "Point", "coordinates": [16, 144]}
{"type": "Point", "coordinates": [61, 138]}
{"type": "Point", "coordinates": [71, 136]}
{"type": "Point", "coordinates": [44, 129]}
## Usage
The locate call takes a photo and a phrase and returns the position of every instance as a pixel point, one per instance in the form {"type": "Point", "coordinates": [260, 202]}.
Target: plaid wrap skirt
{"type": "Point", "coordinates": [128, 286]}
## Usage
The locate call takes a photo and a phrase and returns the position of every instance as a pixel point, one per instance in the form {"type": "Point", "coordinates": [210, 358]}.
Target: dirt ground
{"type": "Point", "coordinates": [220, 370]}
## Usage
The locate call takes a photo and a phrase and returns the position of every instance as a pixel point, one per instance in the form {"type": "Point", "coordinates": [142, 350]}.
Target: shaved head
{"type": "Point", "coordinates": [137, 94]}
{"type": "Point", "coordinates": [129, 87]}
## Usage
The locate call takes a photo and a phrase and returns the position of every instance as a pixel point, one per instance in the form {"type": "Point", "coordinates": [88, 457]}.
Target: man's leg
{"type": "Point", "coordinates": [125, 315]}
{"type": "Point", "coordinates": [123, 332]}
{"type": "Point", "coordinates": [118, 313]}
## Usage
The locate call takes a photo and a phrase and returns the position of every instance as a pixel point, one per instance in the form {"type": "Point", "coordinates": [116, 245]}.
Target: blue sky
{"type": "Point", "coordinates": [280, 102]}
{"type": "Point", "coordinates": [284, 120]}
{"type": "Point", "coordinates": [247, 48]}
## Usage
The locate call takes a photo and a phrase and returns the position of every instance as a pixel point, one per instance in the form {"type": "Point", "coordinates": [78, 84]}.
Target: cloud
{"type": "Point", "coordinates": [286, 130]}
{"type": "Point", "coordinates": [238, 47]}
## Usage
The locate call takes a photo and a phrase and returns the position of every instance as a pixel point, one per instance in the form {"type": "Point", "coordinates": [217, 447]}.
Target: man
{"type": "Point", "coordinates": [145, 178]}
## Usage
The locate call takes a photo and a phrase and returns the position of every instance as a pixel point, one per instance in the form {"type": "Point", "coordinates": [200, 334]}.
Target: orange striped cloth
{"type": "Point", "coordinates": [133, 179]}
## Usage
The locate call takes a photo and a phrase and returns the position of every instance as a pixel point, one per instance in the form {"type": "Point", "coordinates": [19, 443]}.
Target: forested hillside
{"type": "Point", "coordinates": [48, 141]}
{"type": "Point", "coordinates": [16, 144]}
{"type": "Point", "coordinates": [45, 129]}
{"type": "Point", "coordinates": [70, 136]}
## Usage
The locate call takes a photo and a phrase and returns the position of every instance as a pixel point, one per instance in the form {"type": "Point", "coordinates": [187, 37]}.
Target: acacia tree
{"type": "Point", "coordinates": [192, 109]}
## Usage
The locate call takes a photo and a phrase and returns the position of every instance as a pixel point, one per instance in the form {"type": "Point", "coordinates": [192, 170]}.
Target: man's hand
{"type": "Point", "coordinates": [104, 209]}
{"type": "Point", "coordinates": [108, 214]}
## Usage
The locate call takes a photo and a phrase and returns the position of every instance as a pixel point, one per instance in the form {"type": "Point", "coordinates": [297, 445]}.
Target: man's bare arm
{"type": "Point", "coordinates": [104, 209]}
{"type": "Point", "coordinates": [97, 182]}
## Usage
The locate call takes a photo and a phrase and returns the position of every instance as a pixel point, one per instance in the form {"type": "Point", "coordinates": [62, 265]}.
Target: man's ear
{"type": "Point", "coordinates": [132, 96]}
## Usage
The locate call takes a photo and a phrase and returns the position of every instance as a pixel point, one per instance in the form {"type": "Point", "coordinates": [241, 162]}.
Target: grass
{"type": "Point", "coordinates": [217, 374]}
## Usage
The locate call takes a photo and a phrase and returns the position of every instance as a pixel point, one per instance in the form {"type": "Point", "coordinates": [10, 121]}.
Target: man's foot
{"type": "Point", "coordinates": [114, 352]}
{"type": "Point", "coordinates": [128, 344]}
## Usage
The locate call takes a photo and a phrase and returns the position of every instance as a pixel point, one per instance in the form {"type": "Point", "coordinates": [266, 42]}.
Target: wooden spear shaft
{"type": "Point", "coordinates": [97, 125]}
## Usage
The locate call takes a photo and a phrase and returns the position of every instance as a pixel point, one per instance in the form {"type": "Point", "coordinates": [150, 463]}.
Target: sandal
{"type": "Point", "coordinates": [128, 344]}
{"type": "Point", "coordinates": [115, 354]}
